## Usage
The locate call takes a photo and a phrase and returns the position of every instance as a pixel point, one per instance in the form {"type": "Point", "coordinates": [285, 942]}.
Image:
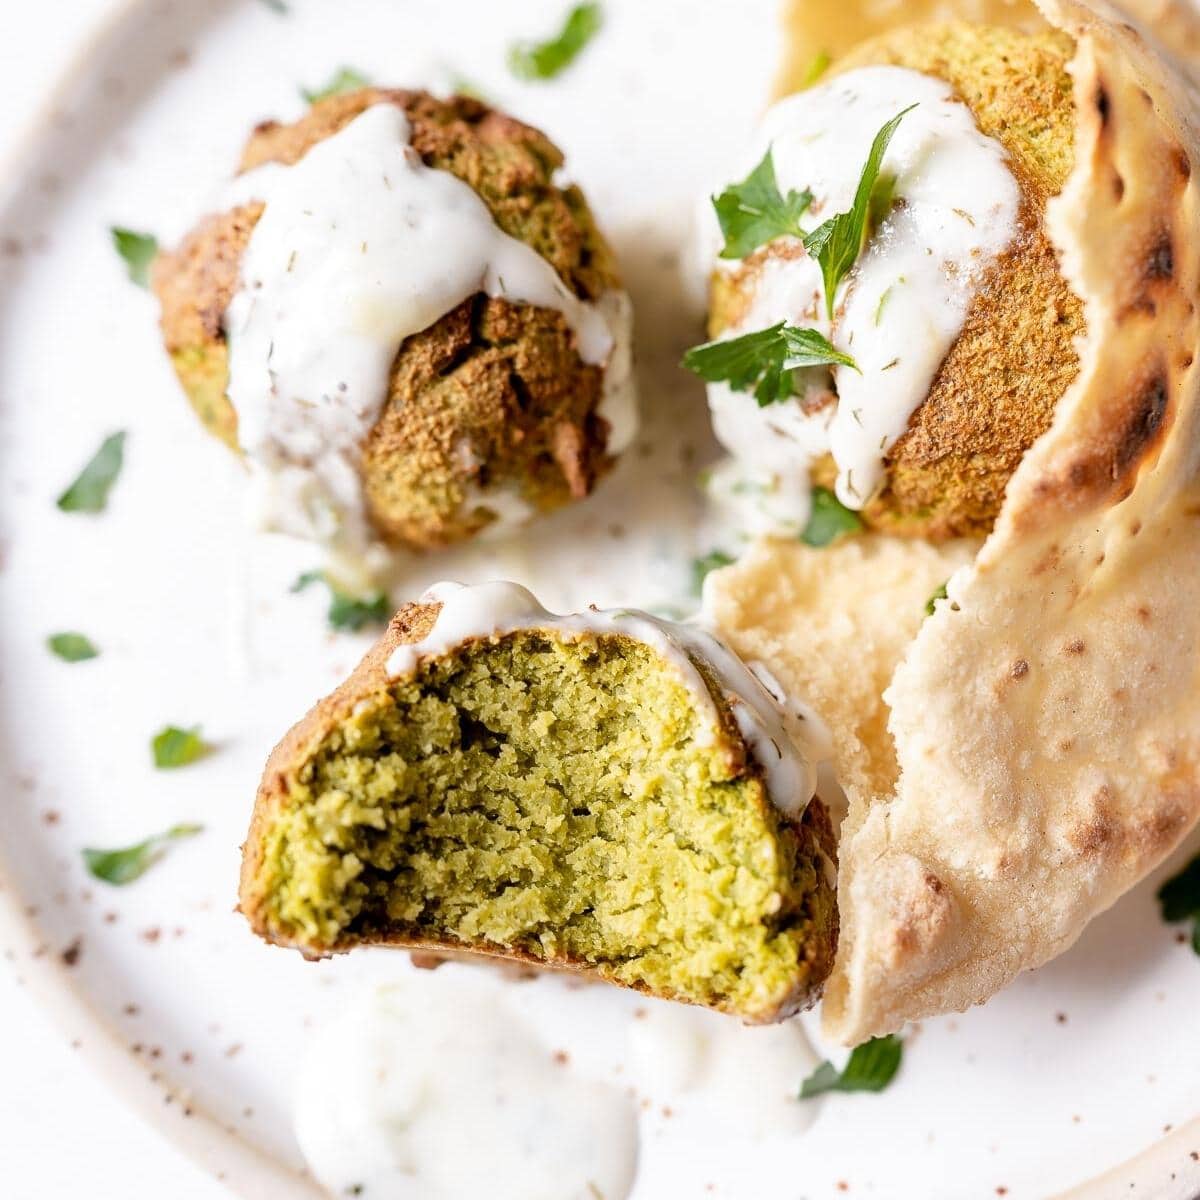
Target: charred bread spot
{"type": "Point", "coordinates": [1145, 425]}
{"type": "Point", "coordinates": [1108, 468]}
{"type": "Point", "coordinates": [1075, 647]}
{"type": "Point", "coordinates": [1019, 669]}
{"type": "Point", "coordinates": [1094, 834]}
{"type": "Point", "coordinates": [1160, 264]}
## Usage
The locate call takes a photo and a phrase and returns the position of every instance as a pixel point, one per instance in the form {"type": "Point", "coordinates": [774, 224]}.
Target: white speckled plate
{"type": "Point", "coordinates": [1085, 1070]}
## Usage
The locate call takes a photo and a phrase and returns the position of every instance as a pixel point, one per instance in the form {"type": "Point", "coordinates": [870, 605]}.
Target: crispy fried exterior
{"type": "Point", "coordinates": [369, 680]}
{"type": "Point", "coordinates": [996, 390]}
{"type": "Point", "coordinates": [494, 394]}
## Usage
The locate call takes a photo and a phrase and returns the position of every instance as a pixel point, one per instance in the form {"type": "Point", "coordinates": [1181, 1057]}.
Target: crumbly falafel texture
{"type": "Point", "coordinates": [561, 803]}
{"type": "Point", "coordinates": [494, 395]}
{"type": "Point", "coordinates": [996, 390]}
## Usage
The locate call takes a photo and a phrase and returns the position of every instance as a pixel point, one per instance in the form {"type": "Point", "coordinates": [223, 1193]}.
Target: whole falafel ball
{"type": "Point", "coordinates": [492, 398]}
{"type": "Point", "coordinates": [997, 388]}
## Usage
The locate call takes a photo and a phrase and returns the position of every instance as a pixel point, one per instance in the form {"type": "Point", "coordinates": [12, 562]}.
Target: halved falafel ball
{"type": "Point", "coordinates": [493, 397]}
{"type": "Point", "coordinates": [559, 800]}
{"type": "Point", "coordinates": [997, 388]}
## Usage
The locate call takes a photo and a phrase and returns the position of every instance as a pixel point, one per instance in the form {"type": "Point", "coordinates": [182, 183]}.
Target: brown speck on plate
{"type": "Point", "coordinates": [71, 955]}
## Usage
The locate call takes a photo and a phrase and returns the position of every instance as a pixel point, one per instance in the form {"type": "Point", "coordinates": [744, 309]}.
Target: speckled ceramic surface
{"type": "Point", "coordinates": [1057, 1084]}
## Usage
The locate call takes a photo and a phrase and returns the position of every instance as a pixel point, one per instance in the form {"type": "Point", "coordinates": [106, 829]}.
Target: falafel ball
{"type": "Point", "coordinates": [492, 400]}
{"type": "Point", "coordinates": [998, 385]}
{"type": "Point", "coordinates": [463, 792]}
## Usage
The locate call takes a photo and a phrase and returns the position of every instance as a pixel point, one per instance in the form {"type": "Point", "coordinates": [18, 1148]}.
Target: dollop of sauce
{"type": "Point", "coordinates": [741, 1080]}
{"type": "Point", "coordinates": [435, 1087]}
{"type": "Point", "coordinates": [359, 246]}
{"type": "Point", "coordinates": [784, 738]}
{"type": "Point", "coordinates": [955, 208]}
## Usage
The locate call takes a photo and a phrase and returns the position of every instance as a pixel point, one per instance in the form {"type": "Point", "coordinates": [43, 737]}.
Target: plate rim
{"type": "Point", "coordinates": [241, 1167]}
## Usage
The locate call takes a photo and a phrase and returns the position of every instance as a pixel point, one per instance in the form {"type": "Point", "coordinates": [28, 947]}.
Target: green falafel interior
{"type": "Point", "coordinates": [580, 792]}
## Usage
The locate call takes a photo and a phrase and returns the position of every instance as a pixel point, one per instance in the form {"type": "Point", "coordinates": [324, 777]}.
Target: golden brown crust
{"type": "Point", "coordinates": [493, 395]}
{"type": "Point", "coordinates": [995, 392]}
{"type": "Point", "coordinates": [367, 682]}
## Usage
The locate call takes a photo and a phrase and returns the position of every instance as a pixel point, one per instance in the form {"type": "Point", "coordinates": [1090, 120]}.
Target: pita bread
{"type": "Point", "coordinates": [1042, 751]}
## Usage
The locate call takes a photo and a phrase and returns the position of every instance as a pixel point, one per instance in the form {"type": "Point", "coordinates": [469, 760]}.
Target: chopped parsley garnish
{"type": "Point", "coordinates": [545, 60]}
{"type": "Point", "coordinates": [460, 85]}
{"type": "Point", "coordinates": [89, 492]}
{"type": "Point", "coordinates": [120, 867]}
{"type": "Point", "coordinates": [703, 566]}
{"type": "Point", "coordinates": [931, 603]}
{"type": "Point", "coordinates": [837, 243]}
{"type": "Point", "coordinates": [753, 212]}
{"type": "Point", "coordinates": [764, 360]}
{"type": "Point", "coordinates": [175, 747]}
{"type": "Point", "coordinates": [347, 611]}
{"type": "Point", "coordinates": [139, 251]}
{"type": "Point", "coordinates": [1180, 899]}
{"type": "Point", "coordinates": [345, 79]}
{"type": "Point", "coordinates": [870, 1068]}
{"type": "Point", "coordinates": [830, 519]}
{"type": "Point", "coordinates": [72, 647]}
{"type": "Point", "coordinates": [817, 66]}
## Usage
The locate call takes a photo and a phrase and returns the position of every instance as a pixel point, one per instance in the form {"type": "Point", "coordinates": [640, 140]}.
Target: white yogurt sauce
{"type": "Point", "coordinates": [437, 1088]}
{"type": "Point", "coordinates": [898, 312]}
{"type": "Point", "coordinates": [742, 1081]}
{"type": "Point", "coordinates": [359, 246]}
{"type": "Point", "coordinates": [785, 739]}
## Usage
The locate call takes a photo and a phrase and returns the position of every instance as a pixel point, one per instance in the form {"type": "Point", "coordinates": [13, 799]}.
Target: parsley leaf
{"type": "Point", "coordinates": [120, 867]}
{"type": "Point", "coordinates": [871, 1067]}
{"type": "Point", "coordinates": [817, 66]}
{"type": "Point", "coordinates": [71, 647]}
{"type": "Point", "coordinates": [89, 492]}
{"type": "Point", "coordinates": [460, 85]}
{"type": "Point", "coordinates": [347, 611]}
{"type": "Point", "coordinates": [175, 747]}
{"type": "Point", "coordinates": [837, 243]}
{"type": "Point", "coordinates": [703, 566]}
{"type": "Point", "coordinates": [763, 360]}
{"type": "Point", "coordinates": [1180, 899]}
{"type": "Point", "coordinates": [139, 251]}
{"type": "Point", "coordinates": [830, 519]}
{"type": "Point", "coordinates": [753, 212]}
{"type": "Point", "coordinates": [545, 60]}
{"type": "Point", "coordinates": [345, 79]}
{"type": "Point", "coordinates": [931, 603]}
